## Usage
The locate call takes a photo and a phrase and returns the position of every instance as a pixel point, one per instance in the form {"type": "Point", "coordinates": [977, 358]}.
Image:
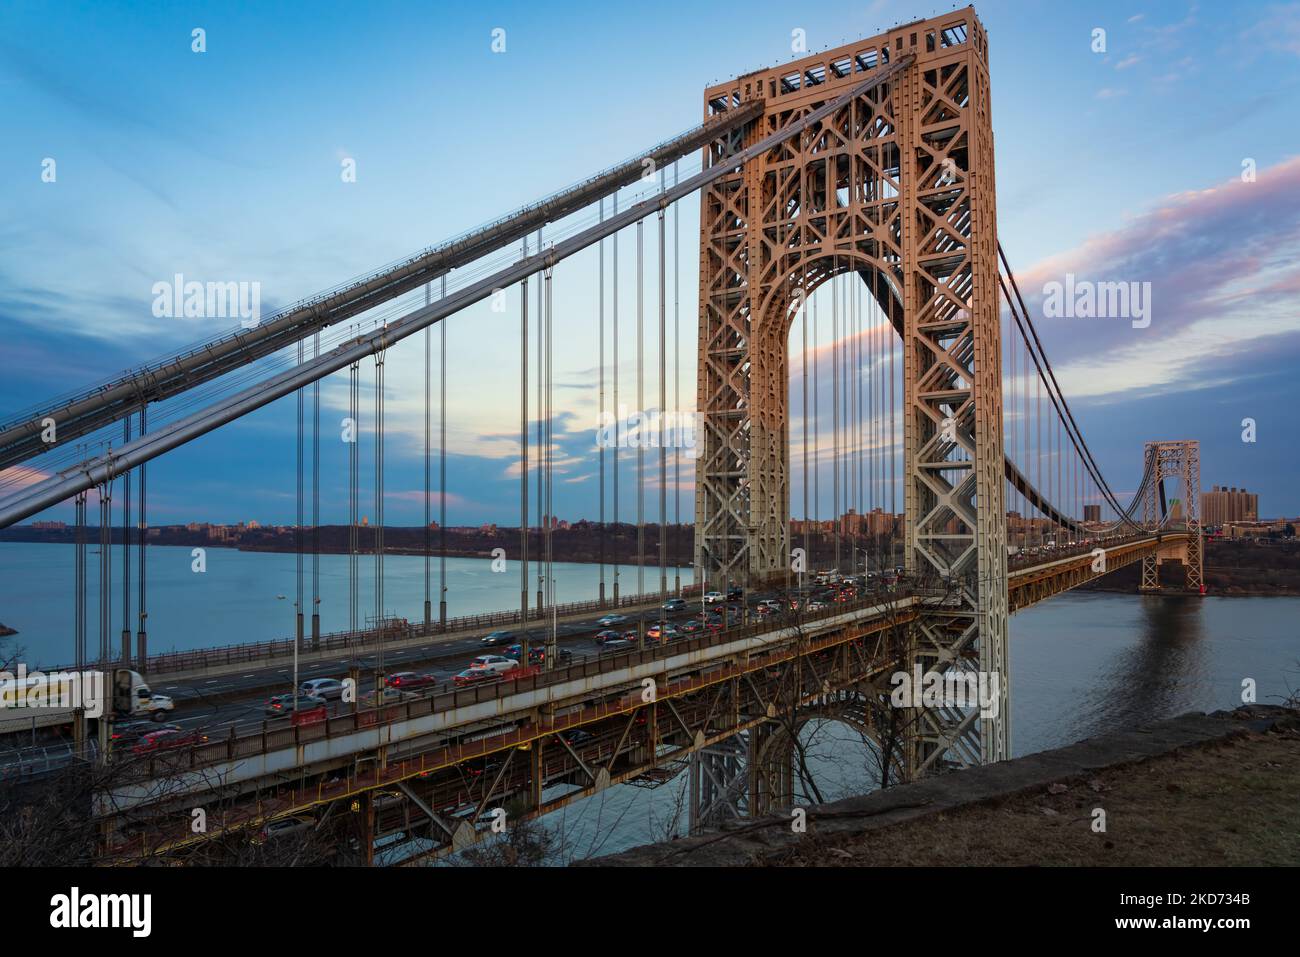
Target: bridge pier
{"type": "Point", "coordinates": [718, 784]}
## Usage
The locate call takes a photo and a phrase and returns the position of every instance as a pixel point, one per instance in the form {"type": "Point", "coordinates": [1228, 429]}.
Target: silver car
{"type": "Point", "coordinates": [331, 689]}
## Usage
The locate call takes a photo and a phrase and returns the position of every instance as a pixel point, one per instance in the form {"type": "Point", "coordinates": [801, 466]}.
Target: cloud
{"type": "Point", "coordinates": [1277, 29]}
{"type": "Point", "coordinates": [1224, 269]}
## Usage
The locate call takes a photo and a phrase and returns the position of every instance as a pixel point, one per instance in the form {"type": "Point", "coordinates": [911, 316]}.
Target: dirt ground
{"type": "Point", "coordinates": [1230, 803]}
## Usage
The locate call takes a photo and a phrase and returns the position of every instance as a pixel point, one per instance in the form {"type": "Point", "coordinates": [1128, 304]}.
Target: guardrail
{"type": "Point", "coordinates": [21, 763]}
{"type": "Point", "coordinates": [252, 652]}
{"type": "Point", "coordinates": [445, 697]}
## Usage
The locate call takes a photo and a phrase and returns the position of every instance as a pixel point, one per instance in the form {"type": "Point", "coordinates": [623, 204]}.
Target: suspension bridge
{"type": "Point", "coordinates": [847, 247]}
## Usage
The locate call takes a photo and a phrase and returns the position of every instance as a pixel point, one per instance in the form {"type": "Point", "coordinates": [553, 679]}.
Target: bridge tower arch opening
{"type": "Point", "coordinates": [899, 181]}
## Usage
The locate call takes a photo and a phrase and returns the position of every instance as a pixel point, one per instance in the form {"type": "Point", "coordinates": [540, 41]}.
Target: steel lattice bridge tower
{"type": "Point", "coordinates": [1181, 462]}
{"type": "Point", "coordinates": [895, 186]}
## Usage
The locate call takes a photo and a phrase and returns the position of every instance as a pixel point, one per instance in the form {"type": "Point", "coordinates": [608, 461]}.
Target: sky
{"type": "Point", "coordinates": [1170, 158]}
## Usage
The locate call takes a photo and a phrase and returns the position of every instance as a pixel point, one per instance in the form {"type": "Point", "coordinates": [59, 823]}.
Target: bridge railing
{"type": "Point", "coordinates": [448, 697]}
{"type": "Point", "coordinates": [31, 762]}
{"type": "Point", "coordinates": [171, 662]}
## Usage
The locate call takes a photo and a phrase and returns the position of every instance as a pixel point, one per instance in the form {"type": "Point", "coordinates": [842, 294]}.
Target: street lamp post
{"type": "Point", "coordinates": [295, 652]}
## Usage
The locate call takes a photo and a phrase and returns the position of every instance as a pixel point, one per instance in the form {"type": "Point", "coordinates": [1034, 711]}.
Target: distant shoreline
{"type": "Point", "coordinates": [573, 555]}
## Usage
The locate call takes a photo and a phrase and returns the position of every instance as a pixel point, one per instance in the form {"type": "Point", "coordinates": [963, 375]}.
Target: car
{"type": "Point", "coordinates": [475, 676]}
{"type": "Point", "coordinates": [663, 632]}
{"type": "Point", "coordinates": [609, 621]}
{"type": "Point", "coordinates": [576, 737]}
{"type": "Point", "coordinates": [495, 663]}
{"type": "Point", "coordinates": [389, 696]}
{"type": "Point", "coordinates": [497, 638]}
{"type": "Point", "coordinates": [816, 605]}
{"type": "Point", "coordinates": [713, 597]}
{"type": "Point", "coordinates": [409, 680]}
{"type": "Point", "coordinates": [331, 689]}
{"type": "Point", "coordinates": [692, 626]}
{"type": "Point", "coordinates": [130, 732]}
{"type": "Point", "coordinates": [771, 603]}
{"type": "Point", "coordinates": [168, 739]}
{"type": "Point", "coordinates": [607, 635]}
{"type": "Point", "coordinates": [675, 604]}
{"type": "Point", "coordinates": [615, 644]}
{"type": "Point", "coordinates": [537, 654]}
{"type": "Point", "coordinates": [735, 594]}
{"type": "Point", "coordinates": [282, 704]}
{"type": "Point", "coordinates": [293, 824]}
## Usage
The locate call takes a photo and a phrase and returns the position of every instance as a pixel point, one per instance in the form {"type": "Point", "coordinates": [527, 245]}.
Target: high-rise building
{"type": "Point", "coordinates": [1221, 506]}
{"type": "Point", "coordinates": [1092, 513]}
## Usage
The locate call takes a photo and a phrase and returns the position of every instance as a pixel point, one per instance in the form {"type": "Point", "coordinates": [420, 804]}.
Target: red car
{"type": "Point", "coordinates": [167, 739]}
{"type": "Point", "coordinates": [477, 676]}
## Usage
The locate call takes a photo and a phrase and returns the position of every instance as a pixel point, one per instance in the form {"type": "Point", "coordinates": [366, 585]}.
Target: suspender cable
{"type": "Point", "coordinates": [1010, 424]}
{"type": "Point", "coordinates": [641, 423]}
{"type": "Point", "coordinates": [523, 457]}
{"type": "Point", "coordinates": [863, 460]}
{"type": "Point", "coordinates": [618, 411]}
{"type": "Point", "coordinates": [141, 635]}
{"type": "Point", "coordinates": [543, 518]}
{"type": "Point", "coordinates": [835, 413]}
{"type": "Point", "coordinates": [354, 414]}
{"type": "Point", "coordinates": [105, 571]}
{"type": "Point", "coordinates": [79, 586]}
{"type": "Point", "coordinates": [126, 550]}
{"type": "Point", "coordinates": [663, 404]}
{"type": "Point", "coordinates": [428, 479]}
{"type": "Point", "coordinates": [549, 659]}
{"type": "Point", "coordinates": [315, 501]}
{"type": "Point", "coordinates": [883, 349]}
{"type": "Point", "coordinates": [600, 446]}
{"type": "Point", "coordinates": [677, 380]}
{"type": "Point", "coordinates": [379, 519]}
{"type": "Point", "coordinates": [803, 436]}
{"type": "Point", "coordinates": [817, 462]}
{"type": "Point", "coordinates": [893, 447]}
{"type": "Point", "coordinates": [299, 543]}
{"type": "Point", "coordinates": [442, 471]}
{"type": "Point", "coordinates": [79, 613]}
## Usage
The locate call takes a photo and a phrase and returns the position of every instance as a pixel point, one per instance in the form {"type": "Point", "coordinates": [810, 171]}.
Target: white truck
{"type": "Point", "coordinates": [29, 702]}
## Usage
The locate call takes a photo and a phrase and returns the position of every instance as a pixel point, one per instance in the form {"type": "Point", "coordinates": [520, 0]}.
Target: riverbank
{"type": "Point", "coordinates": [580, 543]}
{"type": "Point", "coordinates": [1195, 790]}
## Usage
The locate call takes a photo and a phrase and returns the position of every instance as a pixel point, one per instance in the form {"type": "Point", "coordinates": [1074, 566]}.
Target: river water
{"type": "Point", "coordinates": [235, 599]}
{"type": "Point", "coordinates": [1082, 663]}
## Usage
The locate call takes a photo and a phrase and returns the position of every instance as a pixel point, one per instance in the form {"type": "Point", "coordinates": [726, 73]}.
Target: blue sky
{"type": "Point", "coordinates": [226, 165]}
